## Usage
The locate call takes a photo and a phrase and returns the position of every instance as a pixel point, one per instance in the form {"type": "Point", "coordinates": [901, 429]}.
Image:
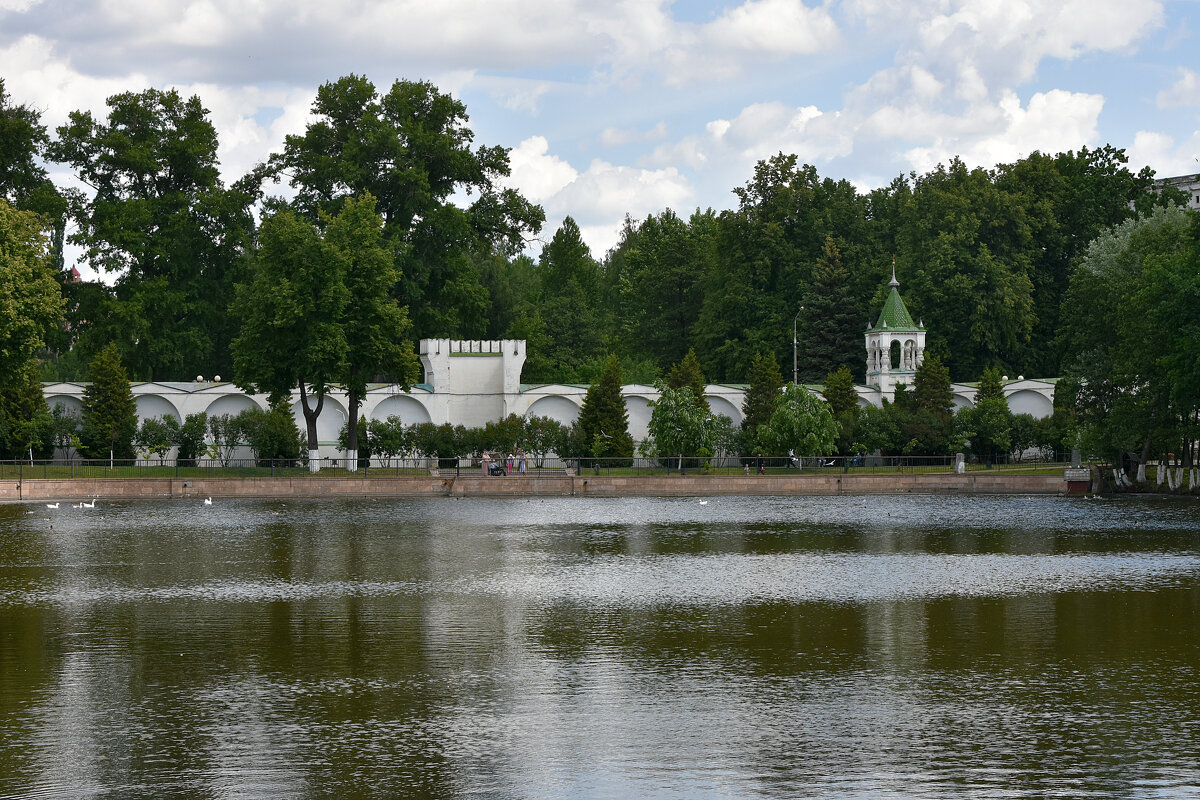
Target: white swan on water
{"type": "Point", "coordinates": [88, 505]}
{"type": "Point", "coordinates": [51, 505]}
{"type": "Point", "coordinates": [208, 501]}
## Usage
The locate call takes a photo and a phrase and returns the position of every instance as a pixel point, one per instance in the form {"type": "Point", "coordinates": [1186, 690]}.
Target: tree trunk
{"type": "Point", "coordinates": [310, 423]}
{"type": "Point", "coordinates": [352, 433]}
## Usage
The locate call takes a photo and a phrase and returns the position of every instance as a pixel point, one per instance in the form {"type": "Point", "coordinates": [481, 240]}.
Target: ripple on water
{"type": "Point", "coordinates": [690, 579]}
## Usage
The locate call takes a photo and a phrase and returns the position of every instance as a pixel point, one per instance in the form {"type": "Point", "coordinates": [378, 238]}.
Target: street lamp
{"type": "Point", "coordinates": [795, 371]}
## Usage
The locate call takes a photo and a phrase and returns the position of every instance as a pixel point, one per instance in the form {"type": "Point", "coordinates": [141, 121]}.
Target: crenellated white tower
{"type": "Point", "coordinates": [895, 344]}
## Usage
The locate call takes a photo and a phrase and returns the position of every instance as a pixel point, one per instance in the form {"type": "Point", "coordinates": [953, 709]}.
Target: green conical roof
{"type": "Point", "coordinates": [894, 315]}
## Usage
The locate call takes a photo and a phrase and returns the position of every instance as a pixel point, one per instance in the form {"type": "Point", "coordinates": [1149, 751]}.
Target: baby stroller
{"type": "Point", "coordinates": [496, 469]}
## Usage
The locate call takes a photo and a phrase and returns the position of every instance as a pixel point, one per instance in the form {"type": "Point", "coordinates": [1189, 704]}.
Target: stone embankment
{"type": "Point", "coordinates": [52, 490]}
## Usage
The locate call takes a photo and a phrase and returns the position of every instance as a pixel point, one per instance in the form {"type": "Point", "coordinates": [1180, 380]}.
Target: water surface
{"type": "Point", "coordinates": [839, 647]}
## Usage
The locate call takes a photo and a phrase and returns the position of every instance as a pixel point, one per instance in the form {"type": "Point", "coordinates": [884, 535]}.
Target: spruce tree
{"type": "Point", "coordinates": [990, 387]}
{"type": "Point", "coordinates": [109, 411]}
{"type": "Point", "coordinates": [765, 381]}
{"type": "Point", "coordinates": [603, 421]}
{"type": "Point", "coordinates": [831, 335]}
{"type": "Point", "coordinates": [839, 391]}
{"type": "Point", "coordinates": [688, 373]}
{"type": "Point", "coordinates": [931, 385]}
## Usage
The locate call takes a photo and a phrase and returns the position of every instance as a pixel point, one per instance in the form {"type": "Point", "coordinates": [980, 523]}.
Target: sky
{"type": "Point", "coordinates": [630, 107]}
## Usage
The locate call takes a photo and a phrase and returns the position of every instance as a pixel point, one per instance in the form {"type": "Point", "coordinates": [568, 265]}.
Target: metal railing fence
{"type": "Point", "coordinates": [401, 467]}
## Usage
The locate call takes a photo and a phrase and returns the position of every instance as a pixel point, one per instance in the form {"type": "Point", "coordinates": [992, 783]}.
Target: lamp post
{"type": "Point", "coordinates": [795, 370]}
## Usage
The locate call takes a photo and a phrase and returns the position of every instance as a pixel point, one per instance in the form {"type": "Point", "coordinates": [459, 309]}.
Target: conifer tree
{"type": "Point", "coordinates": [839, 391]}
{"type": "Point", "coordinates": [109, 412]}
{"type": "Point", "coordinates": [688, 373]}
{"type": "Point", "coordinates": [832, 322]}
{"type": "Point", "coordinates": [990, 387]}
{"type": "Point", "coordinates": [603, 421]}
{"type": "Point", "coordinates": [931, 387]}
{"type": "Point", "coordinates": [765, 381]}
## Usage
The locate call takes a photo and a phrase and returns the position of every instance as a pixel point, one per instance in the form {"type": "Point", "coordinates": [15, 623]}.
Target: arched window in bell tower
{"type": "Point", "coordinates": [894, 355]}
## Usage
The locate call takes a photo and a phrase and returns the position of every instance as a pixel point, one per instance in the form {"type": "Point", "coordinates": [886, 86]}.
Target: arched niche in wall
{"type": "Point", "coordinates": [555, 407]}
{"type": "Point", "coordinates": [231, 404]}
{"type": "Point", "coordinates": [639, 411]}
{"type": "Point", "coordinates": [152, 406]}
{"type": "Point", "coordinates": [719, 406]}
{"type": "Point", "coordinates": [408, 409]}
{"type": "Point", "coordinates": [72, 404]}
{"type": "Point", "coordinates": [1026, 401]}
{"type": "Point", "coordinates": [329, 423]}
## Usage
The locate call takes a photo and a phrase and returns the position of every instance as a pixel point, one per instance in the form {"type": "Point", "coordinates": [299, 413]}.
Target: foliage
{"type": "Point", "coordinates": [30, 297]}
{"type": "Point", "coordinates": [1131, 324]}
{"type": "Point", "coordinates": [878, 430]}
{"type": "Point", "coordinates": [802, 422]}
{"type": "Point", "coordinates": [1023, 433]}
{"type": "Point", "coordinates": [411, 149]}
{"type": "Point", "coordinates": [375, 328]}
{"type": "Point", "coordinates": [388, 438]}
{"type": "Point", "coordinates": [678, 426]}
{"type": "Point", "coordinates": [159, 219]}
{"type": "Point", "coordinates": [23, 179]}
{"type": "Point", "coordinates": [226, 433]}
{"type": "Point", "coordinates": [438, 441]}
{"type": "Point", "coordinates": [603, 420]}
{"type": "Point", "coordinates": [987, 427]}
{"type": "Point", "coordinates": [272, 435]}
{"type": "Point", "coordinates": [839, 391]}
{"type": "Point", "coordinates": [109, 420]}
{"type": "Point", "coordinates": [831, 332]}
{"type": "Point", "coordinates": [765, 381]}
{"type": "Point", "coordinates": [26, 424]}
{"type": "Point", "coordinates": [190, 438]}
{"type": "Point", "coordinates": [688, 373]}
{"type": "Point", "coordinates": [64, 430]}
{"type": "Point", "coordinates": [542, 435]}
{"type": "Point", "coordinates": [156, 436]}
{"type": "Point", "coordinates": [293, 332]}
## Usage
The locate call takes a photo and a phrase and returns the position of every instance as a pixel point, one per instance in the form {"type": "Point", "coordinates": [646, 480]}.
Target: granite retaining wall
{"type": "Point", "coordinates": [52, 490]}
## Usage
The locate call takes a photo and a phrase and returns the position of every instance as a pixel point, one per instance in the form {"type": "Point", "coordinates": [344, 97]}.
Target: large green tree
{"type": "Point", "coordinates": [158, 217]}
{"type": "Point", "coordinates": [569, 311]}
{"type": "Point", "coordinates": [801, 422]}
{"type": "Point", "coordinates": [23, 178]}
{"type": "Point", "coordinates": [109, 411]}
{"type": "Point", "coordinates": [1130, 330]}
{"type": "Point", "coordinates": [411, 149]}
{"type": "Point", "coordinates": [376, 328]}
{"type": "Point", "coordinates": [31, 302]}
{"type": "Point", "coordinates": [964, 254]}
{"type": "Point", "coordinates": [293, 334]}
{"type": "Point", "coordinates": [832, 319]}
{"type": "Point", "coordinates": [603, 423]}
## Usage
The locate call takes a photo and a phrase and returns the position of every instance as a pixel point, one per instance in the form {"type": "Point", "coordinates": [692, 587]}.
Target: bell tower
{"type": "Point", "coordinates": [895, 344]}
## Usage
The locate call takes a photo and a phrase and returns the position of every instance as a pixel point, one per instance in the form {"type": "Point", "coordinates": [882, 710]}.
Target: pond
{"type": "Point", "coordinates": [835, 647]}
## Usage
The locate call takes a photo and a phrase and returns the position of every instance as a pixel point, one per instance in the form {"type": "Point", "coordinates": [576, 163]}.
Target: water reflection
{"type": "Point", "coordinates": [826, 647]}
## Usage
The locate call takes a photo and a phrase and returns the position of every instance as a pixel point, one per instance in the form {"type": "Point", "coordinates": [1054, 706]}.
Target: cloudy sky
{"type": "Point", "coordinates": [633, 106]}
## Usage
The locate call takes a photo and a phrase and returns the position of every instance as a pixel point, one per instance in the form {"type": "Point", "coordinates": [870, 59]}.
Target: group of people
{"type": "Point", "coordinates": [504, 466]}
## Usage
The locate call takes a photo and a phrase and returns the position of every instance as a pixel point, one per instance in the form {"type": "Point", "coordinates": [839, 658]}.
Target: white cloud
{"type": "Point", "coordinates": [597, 198]}
{"type": "Point", "coordinates": [1185, 92]}
{"type": "Point", "coordinates": [779, 27]}
{"type": "Point", "coordinates": [1159, 152]}
{"type": "Point", "coordinates": [616, 137]}
{"type": "Point", "coordinates": [537, 174]}
{"type": "Point", "coordinates": [1051, 122]}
